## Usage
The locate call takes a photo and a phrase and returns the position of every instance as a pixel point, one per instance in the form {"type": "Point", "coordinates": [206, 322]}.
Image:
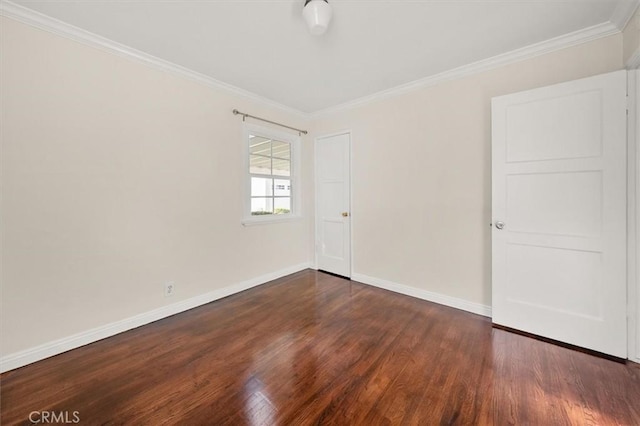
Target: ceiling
{"type": "Point", "coordinates": [263, 46]}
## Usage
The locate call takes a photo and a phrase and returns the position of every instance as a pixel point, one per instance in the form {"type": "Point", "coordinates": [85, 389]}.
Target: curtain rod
{"type": "Point", "coordinates": [244, 115]}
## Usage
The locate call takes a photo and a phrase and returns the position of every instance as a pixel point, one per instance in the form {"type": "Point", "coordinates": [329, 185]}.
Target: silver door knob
{"type": "Point", "coordinates": [499, 225]}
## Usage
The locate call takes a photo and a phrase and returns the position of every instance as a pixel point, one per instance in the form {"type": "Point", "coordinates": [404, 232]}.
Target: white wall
{"type": "Point", "coordinates": [421, 177]}
{"type": "Point", "coordinates": [117, 177]}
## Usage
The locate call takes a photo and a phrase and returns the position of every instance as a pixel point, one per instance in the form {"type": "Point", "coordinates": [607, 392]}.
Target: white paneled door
{"type": "Point", "coordinates": [333, 215]}
{"type": "Point", "coordinates": [559, 212]}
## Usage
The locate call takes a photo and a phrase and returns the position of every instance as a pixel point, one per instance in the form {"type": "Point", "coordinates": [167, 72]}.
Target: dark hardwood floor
{"type": "Point", "coordinates": [312, 348]}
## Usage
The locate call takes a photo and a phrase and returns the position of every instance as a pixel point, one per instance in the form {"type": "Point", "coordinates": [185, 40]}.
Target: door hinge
{"type": "Point", "coordinates": [627, 103]}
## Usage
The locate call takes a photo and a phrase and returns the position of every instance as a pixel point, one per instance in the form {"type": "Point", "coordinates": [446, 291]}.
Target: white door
{"type": "Point", "coordinates": [333, 216]}
{"type": "Point", "coordinates": [559, 212]}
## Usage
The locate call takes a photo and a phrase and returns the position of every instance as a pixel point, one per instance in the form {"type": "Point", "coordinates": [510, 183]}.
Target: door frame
{"type": "Point", "coordinates": [633, 213]}
{"type": "Point", "coordinates": [315, 196]}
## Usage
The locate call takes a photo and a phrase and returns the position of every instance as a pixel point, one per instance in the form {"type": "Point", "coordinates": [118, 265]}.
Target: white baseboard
{"type": "Point", "coordinates": [46, 350]}
{"type": "Point", "coordinates": [441, 299]}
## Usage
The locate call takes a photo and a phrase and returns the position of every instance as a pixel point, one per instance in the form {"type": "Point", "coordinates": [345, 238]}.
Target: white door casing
{"type": "Point", "coordinates": [333, 214]}
{"type": "Point", "coordinates": [634, 211]}
{"type": "Point", "coordinates": [559, 187]}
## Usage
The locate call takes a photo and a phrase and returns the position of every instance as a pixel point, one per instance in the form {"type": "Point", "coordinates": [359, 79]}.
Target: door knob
{"type": "Point", "coordinates": [345, 214]}
{"type": "Point", "coordinates": [499, 224]}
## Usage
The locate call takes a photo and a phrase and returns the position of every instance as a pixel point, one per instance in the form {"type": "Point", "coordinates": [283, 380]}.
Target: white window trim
{"type": "Point", "coordinates": [296, 204]}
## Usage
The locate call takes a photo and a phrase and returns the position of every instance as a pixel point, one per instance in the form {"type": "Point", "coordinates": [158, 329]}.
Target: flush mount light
{"type": "Point", "coordinates": [317, 14]}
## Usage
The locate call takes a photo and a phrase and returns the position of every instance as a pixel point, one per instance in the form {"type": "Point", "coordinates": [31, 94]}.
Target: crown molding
{"type": "Point", "coordinates": [623, 13]}
{"type": "Point", "coordinates": [558, 43]}
{"type": "Point", "coordinates": [55, 26]}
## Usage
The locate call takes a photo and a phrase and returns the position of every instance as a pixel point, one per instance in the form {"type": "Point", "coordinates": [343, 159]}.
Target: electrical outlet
{"type": "Point", "coordinates": [169, 288]}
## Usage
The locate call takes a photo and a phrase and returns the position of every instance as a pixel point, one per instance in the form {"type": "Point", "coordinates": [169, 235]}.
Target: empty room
{"type": "Point", "coordinates": [342, 212]}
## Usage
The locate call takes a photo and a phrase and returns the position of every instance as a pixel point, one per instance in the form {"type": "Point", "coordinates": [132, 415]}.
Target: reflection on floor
{"type": "Point", "coordinates": [312, 348]}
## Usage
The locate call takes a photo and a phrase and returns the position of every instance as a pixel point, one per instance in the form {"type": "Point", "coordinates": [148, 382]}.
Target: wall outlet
{"type": "Point", "coordinates": [169, 288]}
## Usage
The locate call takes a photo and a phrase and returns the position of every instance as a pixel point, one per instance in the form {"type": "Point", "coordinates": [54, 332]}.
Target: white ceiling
{"type": "Point", "coordinates": [263, 46]}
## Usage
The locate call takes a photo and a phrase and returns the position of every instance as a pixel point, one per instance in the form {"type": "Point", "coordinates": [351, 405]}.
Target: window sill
{"type": "Point", "coordinates": [262, 220]}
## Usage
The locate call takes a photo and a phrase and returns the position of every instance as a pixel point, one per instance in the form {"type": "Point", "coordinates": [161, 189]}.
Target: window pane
{"type": "Point", "coordinates": [282, 205]}
{"type": "Point", "coordinates": [261, 206]}
{"type": "Point", "coordinates": [261, 187]}
{"type": "Point", "coordinates": [281, 167]}
{"type": "Point", "coordinates": [282, 187]}
{"type": "Point", "coordinates": [281, 150]}
{"type": "Point", "coordinates": [259, 145]}
{"type": "Point", "coordinates": [260, 165]}
{"type": "Point", "coordinates": [270, 176]}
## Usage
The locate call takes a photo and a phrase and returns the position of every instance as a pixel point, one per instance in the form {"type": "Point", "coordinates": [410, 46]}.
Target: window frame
{"type": "Point", "coordinates": [295, 193]}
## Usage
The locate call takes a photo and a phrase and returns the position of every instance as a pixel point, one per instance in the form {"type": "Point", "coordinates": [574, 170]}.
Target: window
{"type": "Point", "coordinates": [271, 167]}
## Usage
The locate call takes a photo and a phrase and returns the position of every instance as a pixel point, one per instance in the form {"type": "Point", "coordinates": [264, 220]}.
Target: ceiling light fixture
{"type": "Point", "coordinates": [317, 14]}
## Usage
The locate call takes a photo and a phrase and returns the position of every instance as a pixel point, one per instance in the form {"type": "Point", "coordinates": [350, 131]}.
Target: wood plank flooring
{"type": "Point", "coordinates": [312, 348]}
